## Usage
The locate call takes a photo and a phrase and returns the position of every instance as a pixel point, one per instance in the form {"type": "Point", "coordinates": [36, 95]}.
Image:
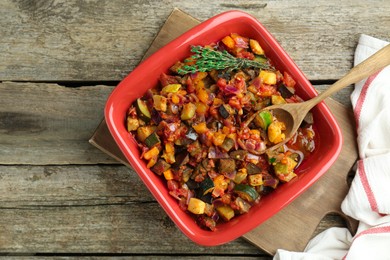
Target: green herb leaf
{"type": "Point", "coordinates": [207, 59]}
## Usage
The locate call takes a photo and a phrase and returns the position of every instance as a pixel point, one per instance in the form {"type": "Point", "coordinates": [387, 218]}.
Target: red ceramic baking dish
{"type": "Point", "coordinates": [146, 75]}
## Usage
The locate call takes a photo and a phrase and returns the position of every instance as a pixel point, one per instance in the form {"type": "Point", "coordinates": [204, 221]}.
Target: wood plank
{"type": "Point", "coordinates": [93, 209]}
{"type": "Point", "coordinates": [104, 40]}
{"type": "Point", "coordinates": [43, 123]}
{"type": "Point", "coordinates": [50, 124]}
{"type": "Point", "coordinates": [79, 209]}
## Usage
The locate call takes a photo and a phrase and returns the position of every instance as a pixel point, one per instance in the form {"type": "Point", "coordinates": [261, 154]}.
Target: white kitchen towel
{"type": "Point", "coordinates": [368, 199]}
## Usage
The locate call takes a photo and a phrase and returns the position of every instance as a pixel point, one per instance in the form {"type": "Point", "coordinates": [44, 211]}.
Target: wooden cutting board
{"type": "Point", "coordinates": [291, 228]}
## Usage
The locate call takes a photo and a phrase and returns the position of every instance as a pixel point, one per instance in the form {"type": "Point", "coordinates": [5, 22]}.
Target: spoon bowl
{"type": "Point", "coordinates": [292, 114]}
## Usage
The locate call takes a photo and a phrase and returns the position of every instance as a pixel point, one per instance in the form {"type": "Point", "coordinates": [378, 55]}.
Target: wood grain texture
{"type": "Point", "coordinates": [78, 209]}
{"type": "Point", "coordinates": [50, 124]}
{"type": "Point", "coordinates": [99, 209]}
{"type": "Point", "coordinates": [59, 40]}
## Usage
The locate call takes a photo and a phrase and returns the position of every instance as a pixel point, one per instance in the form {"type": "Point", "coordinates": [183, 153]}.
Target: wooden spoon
{"type": "Point", "coordinates": [292, 114]}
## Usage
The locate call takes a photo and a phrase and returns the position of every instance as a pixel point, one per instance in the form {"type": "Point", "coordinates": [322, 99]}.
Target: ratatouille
{"type": "Point", "coordinates": [203, 131]}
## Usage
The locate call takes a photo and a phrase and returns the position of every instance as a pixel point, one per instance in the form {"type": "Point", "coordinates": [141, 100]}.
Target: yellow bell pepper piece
{"type": "Point", "coordinates": [268, 77]}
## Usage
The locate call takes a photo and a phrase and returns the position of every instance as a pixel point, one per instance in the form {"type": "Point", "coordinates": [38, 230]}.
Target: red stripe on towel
{"type": "Point", "coordinates": [367, 187]}
{"type": "Point", "coordinates": [362, 97]}
{"type": "Point", "coordinates": [370, 231]}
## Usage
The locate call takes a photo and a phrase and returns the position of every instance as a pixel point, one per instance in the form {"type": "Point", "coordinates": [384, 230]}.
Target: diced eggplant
{"type": "Point", "coordinates": [156, 117]}
{"type": "Point", "coordinates": [192, 185]}
{"type": "Point", "coordinates": [160, 167]}
{"type": "Point", "coordinates": [285, 91]}
{"type": "Point", "coordinates": [238, 154]}
{"type": "Point", "coordinates": [227, 165]}
{"type": "Point", "coordinates": [252, 168]}
{"type": "Point", "coordinates": [224, 110]}
{"type": "Point", "coordinates": [181, 159]}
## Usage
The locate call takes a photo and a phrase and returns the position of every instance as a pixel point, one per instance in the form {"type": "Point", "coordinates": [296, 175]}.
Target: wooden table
{"type": "Point", "coordinates": [59, 60]}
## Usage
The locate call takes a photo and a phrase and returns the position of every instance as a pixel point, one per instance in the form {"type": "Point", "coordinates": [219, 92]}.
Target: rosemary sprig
{"type": "Point", "coordinates": [207, 59]}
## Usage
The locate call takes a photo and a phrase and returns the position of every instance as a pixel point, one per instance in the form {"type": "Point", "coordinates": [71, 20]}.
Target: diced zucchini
{"type": "Point", "coordinates": [142, 110]}
{"type": "Point", "coordinates": [144, 131]}
{"type": "Point", "coordinates": [196, 206]}
{"type": "Point", "coordinates": [132, 124]}
{"type": "Point", "coordinates": [188, 111]}
{"type": "Point", "coordinates": [241, 175]}
{"type": "Point", "coordinates": [285, 171]}
{"type": "Point", "coordinates": [255, 179]}
{"type": "Point", "coordinates": [171, 88]}
{"type": "Point", "coordinates": [246, 192]}
{"type": "Point", "coordinates": [227, 144]}
{"type": "Point", "coordinates": [160, 103]}
{"type": "Point", "coordinates": [226, 212]}
{"type": "Point", "coordinates": [152, 140]}
{"type": "Point", "coordinates": [284, 168]}
{"type": "Point", "coordinates": [263, 119]}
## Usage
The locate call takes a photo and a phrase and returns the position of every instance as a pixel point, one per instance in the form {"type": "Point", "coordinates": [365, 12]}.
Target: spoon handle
{"type": "Point", "coordinates": [368, 67]}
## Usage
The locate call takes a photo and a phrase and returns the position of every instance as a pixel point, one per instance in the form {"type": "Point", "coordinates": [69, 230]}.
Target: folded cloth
{"type": "Point", "coordinates": [368, 199]}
